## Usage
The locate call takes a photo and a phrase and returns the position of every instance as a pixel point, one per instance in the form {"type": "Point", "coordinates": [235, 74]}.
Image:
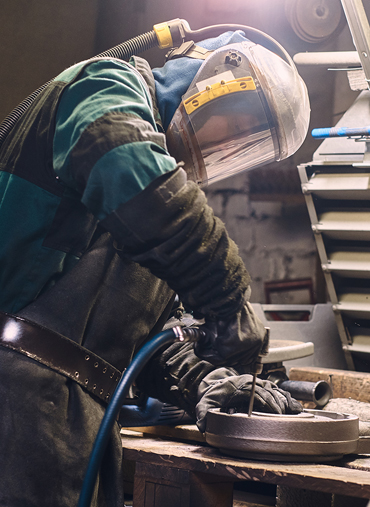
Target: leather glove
{"type": "Point", "coordinates": [237, 340]}
{"type": "Point", "coordinates": [223, 388]}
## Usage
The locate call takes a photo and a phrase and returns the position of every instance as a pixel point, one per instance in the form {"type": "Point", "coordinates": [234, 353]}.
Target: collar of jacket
{"type": "Point", "coordinates": [142, 66]}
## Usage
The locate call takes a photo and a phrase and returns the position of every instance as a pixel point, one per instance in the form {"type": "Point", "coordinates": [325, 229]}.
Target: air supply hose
{"type": "Point", "coordinates": [121, 392]}
{"type": "Point", "coordinates": [165, 35]}
{"type": "Point", "coordinates": [123, 51]}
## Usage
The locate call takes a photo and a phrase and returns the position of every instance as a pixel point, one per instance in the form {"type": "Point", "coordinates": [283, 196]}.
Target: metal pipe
{"type": "Point", "coordinates": [319, 392]}
{"type": "Point", "coordinates": [342, 59]}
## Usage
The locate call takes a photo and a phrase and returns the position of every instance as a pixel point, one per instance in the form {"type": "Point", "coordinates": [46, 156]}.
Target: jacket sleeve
{"type": "Point", "coordinates": [170, 229]}
{"type": "Point", "coordinates": [107, 144]}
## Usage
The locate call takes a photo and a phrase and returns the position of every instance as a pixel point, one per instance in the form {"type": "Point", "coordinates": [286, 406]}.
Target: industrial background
{"type": "Point", "coordinates": [268, 216]}
{"type": "Point", "coordinates": [264, 210]}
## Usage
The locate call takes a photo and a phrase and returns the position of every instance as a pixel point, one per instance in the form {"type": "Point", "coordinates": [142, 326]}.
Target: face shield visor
{"type": "Point", "coordinates": [245, 107]}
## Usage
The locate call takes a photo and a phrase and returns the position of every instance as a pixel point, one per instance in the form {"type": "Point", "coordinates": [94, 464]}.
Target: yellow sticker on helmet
{"type": "Point", "coordinates": [213, 91]}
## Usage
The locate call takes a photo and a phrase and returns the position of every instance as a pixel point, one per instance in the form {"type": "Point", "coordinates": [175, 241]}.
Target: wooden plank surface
{"type": "Point", "coordinates": [200, 458]}
{"type": "Point", "coordinates": [183, 432]}
{"type": "Point", "coordinates": [345, 384]}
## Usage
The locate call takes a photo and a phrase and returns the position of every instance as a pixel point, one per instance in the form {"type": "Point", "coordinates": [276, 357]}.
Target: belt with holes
{"type": "Point", "coordinates": [59, 354]}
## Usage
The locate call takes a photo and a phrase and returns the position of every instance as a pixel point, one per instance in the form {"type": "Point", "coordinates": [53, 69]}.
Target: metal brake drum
{"type": "Point", "coordinates": [310, 436]}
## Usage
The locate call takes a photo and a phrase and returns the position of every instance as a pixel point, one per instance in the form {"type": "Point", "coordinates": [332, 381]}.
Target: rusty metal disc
{"type": "Point", "coordinates": [312, 436]}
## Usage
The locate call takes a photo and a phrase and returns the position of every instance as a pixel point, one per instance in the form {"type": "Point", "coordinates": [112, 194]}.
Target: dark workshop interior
{"type": "Point", "coordinates": [302, 227]}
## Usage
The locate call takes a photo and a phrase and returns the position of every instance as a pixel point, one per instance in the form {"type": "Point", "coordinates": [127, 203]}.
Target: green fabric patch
{"type": "Point", "coordinates": [103, 89]}
{"type": "Point", "coordinates": [104, 86]}
{"type": "Point", "coordinates": [122, 174]}
{"type": "Point", "coordinates": [26, 214]}
{"type": "Point", "coordinates": [69, 74]}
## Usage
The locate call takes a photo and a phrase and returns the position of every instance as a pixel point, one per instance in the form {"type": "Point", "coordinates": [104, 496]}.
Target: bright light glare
{"type": "Point", "coordinates": [10, 332]}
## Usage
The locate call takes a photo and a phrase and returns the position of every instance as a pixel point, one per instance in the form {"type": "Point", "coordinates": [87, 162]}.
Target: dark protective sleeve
{"type": "Point", "coordinates": [169, 229]}
{"type": "Point", "coordinates": [235, 341]}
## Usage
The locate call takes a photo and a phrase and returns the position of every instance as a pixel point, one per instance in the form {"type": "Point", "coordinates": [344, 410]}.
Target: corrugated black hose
{"type": "Point", "coordinates": [180, 31]}
{"type": "Point", "coordinates": [123, 51]}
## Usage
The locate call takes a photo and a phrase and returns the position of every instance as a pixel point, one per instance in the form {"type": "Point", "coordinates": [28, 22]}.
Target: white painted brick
{"type": "Point", "coordinates": [239, 182]}
{"type": "Point", "coordinates": [273, 266]}
{"type": "Point", "coordinates": [216, 203]}
{"type": "Point", "coordinates": [237, 205]}
{"type": "Point", "coordinates": [275, 240]}
{"type": "Point", "coordinates": [241, 230]}
{"type": "Point", "coordinates": [266, 209]}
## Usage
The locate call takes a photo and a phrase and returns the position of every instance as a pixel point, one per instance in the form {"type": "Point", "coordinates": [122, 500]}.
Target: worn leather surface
{"type": "Point", "coordinates": [48, 426]}
{"type": "Point", "coordinates": [60, 354]}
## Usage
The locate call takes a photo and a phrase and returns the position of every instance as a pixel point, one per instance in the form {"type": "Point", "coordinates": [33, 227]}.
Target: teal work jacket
{"type": "Point", "coordinates": [91, 141]}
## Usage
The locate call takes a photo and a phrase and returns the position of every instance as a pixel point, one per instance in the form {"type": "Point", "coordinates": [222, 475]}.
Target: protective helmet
{"type": "Point", "coordinates": [245, 107]}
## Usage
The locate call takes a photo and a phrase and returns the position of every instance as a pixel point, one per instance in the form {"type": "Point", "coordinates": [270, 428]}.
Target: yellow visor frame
{"type": "Point", "coordinates": [218, 89]}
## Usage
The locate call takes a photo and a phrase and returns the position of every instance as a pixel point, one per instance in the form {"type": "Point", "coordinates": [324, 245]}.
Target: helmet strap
{"type": "Point", "coordinates": [190, 50]}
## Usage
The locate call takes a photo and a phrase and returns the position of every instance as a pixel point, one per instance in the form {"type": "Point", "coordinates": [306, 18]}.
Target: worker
{"type": "Point", "coordinates": [101, 227]}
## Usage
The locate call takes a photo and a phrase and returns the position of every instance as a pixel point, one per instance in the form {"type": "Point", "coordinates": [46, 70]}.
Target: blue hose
{"type": "Point", "coordinates": [323, 133]}
{"type": "Point", "coordinates": [121, 392]}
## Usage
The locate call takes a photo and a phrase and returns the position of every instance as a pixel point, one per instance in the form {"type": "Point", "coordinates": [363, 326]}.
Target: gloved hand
{"type": "Point", "coordinates": [237, 340]}
{"type": "Point", "coordinates": [224, 388]}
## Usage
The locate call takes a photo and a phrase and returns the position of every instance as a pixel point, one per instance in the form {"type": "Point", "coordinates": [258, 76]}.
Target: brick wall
{"type": "Point", "coordinates": [274, 238]}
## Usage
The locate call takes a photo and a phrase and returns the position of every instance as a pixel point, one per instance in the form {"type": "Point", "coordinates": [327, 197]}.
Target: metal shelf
{"type": "Point", "coordinates": [348, 264]}
{"type": "Point", "coordinates": [336, 189]}
{"type": "Point", "coordinates": [339, 186]}
{"type": "Point", "coordinates": [360, 340]}
{"type": "Point", "coordinates": [355, 305]}
{"type": "Point", "coordinates": [344, 225]}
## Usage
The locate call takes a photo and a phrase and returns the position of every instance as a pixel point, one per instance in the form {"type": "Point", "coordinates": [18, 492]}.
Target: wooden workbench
{"type": "Point", "coordinates": [172, 473]}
